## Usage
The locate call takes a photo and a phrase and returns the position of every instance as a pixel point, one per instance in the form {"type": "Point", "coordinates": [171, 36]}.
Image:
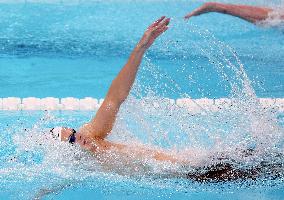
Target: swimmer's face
{"type": "Point", "coordinates": [65, 133]}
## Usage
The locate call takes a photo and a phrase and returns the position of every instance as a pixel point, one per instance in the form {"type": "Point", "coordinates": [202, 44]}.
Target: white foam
{"type": "Point", "coordinates": [223, 103]}
{"type": "Point", "coordinates": [267, 102]}
{"type": "Point", "coordinates": [280, 104]}
{"type": "Point", "coordinates": [184, 102]}
{"type": "Point", "coordinates": [189, 104]}
{"type": "Point", "coordinates": [207, 104]}
{"type": "Point", "coordinates": [275, 19]}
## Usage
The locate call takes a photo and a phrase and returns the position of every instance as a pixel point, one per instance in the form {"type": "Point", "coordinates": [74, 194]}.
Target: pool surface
{"type": "Point", "coordinates": [74, 49]}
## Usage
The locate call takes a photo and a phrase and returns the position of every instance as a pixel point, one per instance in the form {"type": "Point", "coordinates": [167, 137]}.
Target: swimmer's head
{"type": "Point", "coordinates": [64, 134]}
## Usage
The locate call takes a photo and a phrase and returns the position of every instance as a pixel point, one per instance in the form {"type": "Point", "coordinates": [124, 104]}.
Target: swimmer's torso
{"type": "Point", "coordinates": [138, 159]}
{"type": "Point", "coordinates": [127, 159]}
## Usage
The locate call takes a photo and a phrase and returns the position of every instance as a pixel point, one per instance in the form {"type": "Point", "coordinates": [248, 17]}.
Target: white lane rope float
{"type": "Point", "coordinates": [89, 103]}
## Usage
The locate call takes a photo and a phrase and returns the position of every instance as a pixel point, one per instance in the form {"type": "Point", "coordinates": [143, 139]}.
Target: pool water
{"type": "Point", "coordinates": [84, 48]}
{"type": "Point", "coordinates": [33, 167]}
{"type": "Point", "coordinates": [62, 49]}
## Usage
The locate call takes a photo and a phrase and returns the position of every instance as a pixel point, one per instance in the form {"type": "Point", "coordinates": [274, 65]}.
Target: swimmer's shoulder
{"type": "Point", "coordinates": [86, 129]}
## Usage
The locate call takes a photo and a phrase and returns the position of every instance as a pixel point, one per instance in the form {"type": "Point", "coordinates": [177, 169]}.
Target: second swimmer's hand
{"type": "Point", "coordinates": [205, 8]}
{"type": "Point", "coordinates": [154, 31]}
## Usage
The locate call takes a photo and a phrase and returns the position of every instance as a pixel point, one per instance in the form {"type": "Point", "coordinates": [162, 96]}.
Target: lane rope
{"type": "Point", "coordinates": [89, 103]}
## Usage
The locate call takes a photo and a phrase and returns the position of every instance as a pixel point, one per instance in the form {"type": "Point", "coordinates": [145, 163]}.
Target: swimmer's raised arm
{"type": "Point", "coordinates": [252, 14]}
{"type": "Point", "coordinates": [103, 122]}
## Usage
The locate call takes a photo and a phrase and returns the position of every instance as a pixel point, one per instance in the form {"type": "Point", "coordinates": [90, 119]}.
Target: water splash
{"type": "Point", "coordinates": [275, 19]}
{"type": "Point", "coordinates": [243, 126]}
{"type": "Point", "coordinates": [148, 117]}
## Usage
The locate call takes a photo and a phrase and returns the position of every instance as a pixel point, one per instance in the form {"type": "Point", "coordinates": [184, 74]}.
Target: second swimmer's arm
{"type": "Point", "coordinates": [252, 14]}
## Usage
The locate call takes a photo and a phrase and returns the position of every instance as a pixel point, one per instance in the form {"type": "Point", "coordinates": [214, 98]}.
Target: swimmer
{"type": "Point", "coordinates": [92, 135]}
{"type": "Point", "coordinates": [251, 14]}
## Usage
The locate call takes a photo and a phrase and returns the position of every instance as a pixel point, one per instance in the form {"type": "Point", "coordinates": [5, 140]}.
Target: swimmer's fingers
{"type": "Point", "coordinates": [154, 30]}
{"type": "Point", "coordinates": [205, 8]}
{"type": "Point", "coordinates": [161, 24]}
{"type": "Point", "coordinates": [190, 15]}
{"type": "Point", "coordinates": [196, 12]}
{"type": "Point", "coordinates": [156, 23]}
{"type": "Point", "coordinates": [160, 31]}
{"type": "Point", "coordinates": [160, 28]}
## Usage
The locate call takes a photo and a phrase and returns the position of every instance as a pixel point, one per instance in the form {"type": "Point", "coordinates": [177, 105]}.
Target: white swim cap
{"type": "Point", "coordinates": [56, 132]}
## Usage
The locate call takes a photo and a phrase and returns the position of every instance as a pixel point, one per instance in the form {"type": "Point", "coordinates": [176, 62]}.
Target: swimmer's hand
{"type": "Point", "coordinates": [205, 8]}
{"type": "Point", "coordinates": [154, 31]}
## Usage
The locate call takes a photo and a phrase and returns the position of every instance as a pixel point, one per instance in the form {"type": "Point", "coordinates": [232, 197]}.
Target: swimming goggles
{"type": "Point", "coordinates": [56, 133]}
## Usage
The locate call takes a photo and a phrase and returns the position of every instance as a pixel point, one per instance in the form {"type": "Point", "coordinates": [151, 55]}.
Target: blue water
{"type": "Point", "coordinates": [30, 164]}
{"type": "Point", "coordinates": [44, 43]}
{"type": "Point", "coordinates": [76, 50]}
